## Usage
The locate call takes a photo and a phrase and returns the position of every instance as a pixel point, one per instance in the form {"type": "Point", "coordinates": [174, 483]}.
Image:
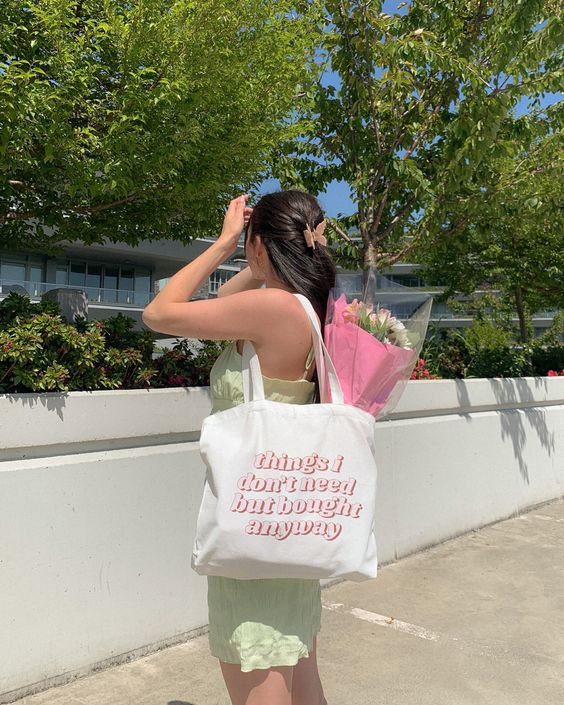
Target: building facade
{"type": "Point", "coordinates": [117, 277]}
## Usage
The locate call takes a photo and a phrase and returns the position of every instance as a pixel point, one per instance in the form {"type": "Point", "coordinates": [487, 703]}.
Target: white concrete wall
{"type": "Point", "coordinates": [99, 495]}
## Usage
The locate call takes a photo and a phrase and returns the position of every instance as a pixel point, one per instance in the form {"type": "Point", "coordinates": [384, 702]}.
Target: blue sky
{"type": "Point", "coordinates": [336, 199]}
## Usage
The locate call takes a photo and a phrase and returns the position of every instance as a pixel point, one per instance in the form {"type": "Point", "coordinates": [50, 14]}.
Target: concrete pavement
{"type": "Point", "coordinates": [477, 620]}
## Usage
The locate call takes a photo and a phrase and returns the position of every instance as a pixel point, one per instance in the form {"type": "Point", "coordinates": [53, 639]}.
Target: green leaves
{"type": "Point", "coordinates": [511, 229]}
{"type": "Point", "coordinates": [40, 352]}
{"type": "Point", "coordinates": [424, 103]}
{"type": "Point", "coordinates": [176, 102]}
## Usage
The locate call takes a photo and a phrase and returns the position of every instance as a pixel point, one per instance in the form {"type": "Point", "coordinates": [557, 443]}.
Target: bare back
{"type": "Point", "coordinates": [283, 352]}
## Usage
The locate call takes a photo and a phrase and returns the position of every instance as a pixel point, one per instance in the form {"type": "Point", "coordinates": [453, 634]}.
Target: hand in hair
{"type": "Point", "coordinates": [236, 217]}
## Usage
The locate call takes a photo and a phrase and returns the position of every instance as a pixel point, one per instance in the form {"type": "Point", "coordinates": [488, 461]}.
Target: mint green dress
{"type": "Point", "coordinates": [270, 622]}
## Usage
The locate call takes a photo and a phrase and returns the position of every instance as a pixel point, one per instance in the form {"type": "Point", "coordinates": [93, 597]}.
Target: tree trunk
{"type": "Point", "coordinates": [369, 270]}
{"type": "Point", "coordinates": [523, 327]}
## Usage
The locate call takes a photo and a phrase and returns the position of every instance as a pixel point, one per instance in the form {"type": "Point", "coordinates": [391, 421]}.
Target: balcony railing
{"type": "Point", "coordinates": [123, 297]}
{"type": "Point", "coordinates": [126, 297]}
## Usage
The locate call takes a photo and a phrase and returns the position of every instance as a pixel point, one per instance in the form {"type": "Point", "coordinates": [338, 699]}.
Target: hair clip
{"type": "Point", "coordinates": [313, 236]}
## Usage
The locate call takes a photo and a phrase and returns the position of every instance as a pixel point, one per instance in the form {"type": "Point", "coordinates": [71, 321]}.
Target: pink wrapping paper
{"type": "Point", "coordinates": [368, 369]}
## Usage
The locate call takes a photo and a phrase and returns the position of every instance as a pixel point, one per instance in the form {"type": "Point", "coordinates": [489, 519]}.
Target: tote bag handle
{"type": "Point", "coordinates": [253, 387]}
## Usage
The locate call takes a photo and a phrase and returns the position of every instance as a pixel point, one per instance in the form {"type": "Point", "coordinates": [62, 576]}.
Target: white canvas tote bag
{"type": "Point", "coordinates": [290, 489]}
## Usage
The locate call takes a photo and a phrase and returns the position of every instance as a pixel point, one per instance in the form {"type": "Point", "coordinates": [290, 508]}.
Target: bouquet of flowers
{"type": "Point", "coordinates": [374, 352]}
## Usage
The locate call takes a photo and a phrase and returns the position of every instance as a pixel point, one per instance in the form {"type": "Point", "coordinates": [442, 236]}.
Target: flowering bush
{"type": "Point", "coordinates": [420, 371]}
{"type": "Point", "coordinates": [183, 366]}
{"type": "Point", "coordinates": [554, 373]}
{"type": "Point", "coordinates": [546, 355]}
{"type": "Point", "coordinates": [446, 354]}
{"type": "Point", "coordinates": [482, 351]}
{"type": "Point", "coordinates": [40, 352]}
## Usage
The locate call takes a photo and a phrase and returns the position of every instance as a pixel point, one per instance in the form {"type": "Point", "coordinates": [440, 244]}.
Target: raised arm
{"type": "Point", "coordinates": [242, 281]}
{"type": "Point", "coordinates": [241, 314]}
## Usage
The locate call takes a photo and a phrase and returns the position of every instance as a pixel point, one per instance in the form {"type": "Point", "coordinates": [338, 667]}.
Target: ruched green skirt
{"type": "Point", "coordinates": [263, 623]}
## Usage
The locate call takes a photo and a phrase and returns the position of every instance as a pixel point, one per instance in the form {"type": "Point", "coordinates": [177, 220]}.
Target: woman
{"type": "Point", "coordinates": [262, 631]}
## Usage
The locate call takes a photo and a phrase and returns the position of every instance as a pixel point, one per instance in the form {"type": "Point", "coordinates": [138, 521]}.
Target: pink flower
{"type": "Point", "coordinates": [352, 311]}
{"type": "Point", "coordinates": [552, 373]}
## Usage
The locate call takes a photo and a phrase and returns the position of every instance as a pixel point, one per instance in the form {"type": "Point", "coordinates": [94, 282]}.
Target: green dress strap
{"type": "Point", "coordinates": [309, 361]}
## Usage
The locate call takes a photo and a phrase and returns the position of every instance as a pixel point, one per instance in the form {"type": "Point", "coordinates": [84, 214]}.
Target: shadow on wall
{"type": "Point", "coordinates": [521, 393]}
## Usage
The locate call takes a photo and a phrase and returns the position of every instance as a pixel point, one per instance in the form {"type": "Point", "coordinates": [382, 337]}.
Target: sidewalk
{"type": "Point", "coordinates": [477, 620]}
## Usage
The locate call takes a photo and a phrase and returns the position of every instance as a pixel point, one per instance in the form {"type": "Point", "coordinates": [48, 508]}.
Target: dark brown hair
{"type": "Point", "coordinates": [280, 219]}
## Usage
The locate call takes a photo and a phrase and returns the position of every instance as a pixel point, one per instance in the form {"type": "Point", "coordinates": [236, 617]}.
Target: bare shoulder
{"type": "Point", "coordinates": [278, 300]}
{"type": "Point", "coordinates": [284, 303]}
{"type": "Point", "coordinates": [285, 336]}
{"type": "Point", "coordinates": [290, 326]}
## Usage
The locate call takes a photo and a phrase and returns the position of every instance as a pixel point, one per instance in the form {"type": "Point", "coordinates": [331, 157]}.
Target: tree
{"type": "Point", "coordinates": [130, 120]}
{"type": "Point", "coordinates": [422, 100]}
{"type": "Point", "coordinates": [513, 239]}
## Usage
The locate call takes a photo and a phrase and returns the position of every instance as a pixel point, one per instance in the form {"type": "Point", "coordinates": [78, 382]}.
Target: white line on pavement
{"type": "Point", "coordinates": [383, 621]}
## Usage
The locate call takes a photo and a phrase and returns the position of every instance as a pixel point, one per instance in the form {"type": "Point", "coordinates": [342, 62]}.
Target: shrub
{"type": "Point", "coordinates": [446, 353]}
{"type": "Point", "coordinates": [44, 353]}
{"type": "Point", "coordinates": [547, 352]}
{"type": "Point", "coordinates": [119, 334]}
{"type": "Point", "coordinates": [18, 307]}
{"type": "Point", "coordinates": [501, 361]}
{"type": "Point", "coordinates": [39, 351]}
{"type": "Point", "coordinates": [493, 352]}
{"type": "Point", "coordinates": [182, 366]}
{"type": "Point", "coordinates": [420, 371]}
{"type": "Point", "coordinates": [488, 348]}
{"type": "Point", "coordinates": [547, 357]}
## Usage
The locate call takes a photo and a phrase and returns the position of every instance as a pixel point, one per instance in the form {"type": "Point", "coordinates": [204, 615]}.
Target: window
{"type": "Point", "coordinates": [219, 277]}
{"type": "Point", "coordinates": [94, 275]}
{"type": "Point", "coordinates": [62, 275]}
{"type": "Point", "coordinates": [93, 281]}
{"type": "Point", "coordinates": [12, 271]}
{"type": "Point", "coordinates": [142, 286]}
{"type": "Point", "coordinates": [109, 283]}
{"type": "Point", "coordinates": [109, 292]}
{"type": "Point", "coordinates": [406, 279]}
{"type": "Point", "coordinates": [35, 279]}
{"type": "Point", "coordinates": [35, 272]}
{"type": "Point", "coordinates": [78, 274]}
{"type": "Point", "coordinates": [125, 285]}
{"type": "Point", "coordinates": [25, 270]}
